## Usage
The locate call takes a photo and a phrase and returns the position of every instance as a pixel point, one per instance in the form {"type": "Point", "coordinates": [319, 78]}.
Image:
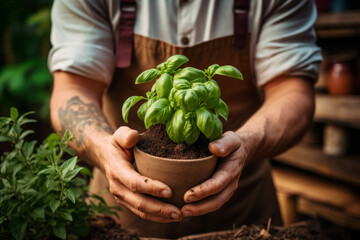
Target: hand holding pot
{"type": "Point", "coordinates": [128, 186]}
{"type": "Point", "coordinates": [220, 187]}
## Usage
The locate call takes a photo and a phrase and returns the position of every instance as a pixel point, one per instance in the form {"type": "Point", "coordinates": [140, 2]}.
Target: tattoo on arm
{"type": "Point", "coordinates": [77, 115]}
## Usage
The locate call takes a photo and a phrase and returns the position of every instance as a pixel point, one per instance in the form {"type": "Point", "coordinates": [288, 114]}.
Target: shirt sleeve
{"type": "Point", "coordinates": [82, 39]}
{"type": "Point", "coordinates": [286, 43]}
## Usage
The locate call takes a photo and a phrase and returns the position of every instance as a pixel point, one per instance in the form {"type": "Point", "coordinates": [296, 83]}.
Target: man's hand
{"type": "Point", "coordinates": [76, 106]}
{"type": "Point", "coordinates": [129, 188]}
{"type": "Point", "coordinates": [214, 192]}
{"type": "Point", "coordinates": [277, 125]}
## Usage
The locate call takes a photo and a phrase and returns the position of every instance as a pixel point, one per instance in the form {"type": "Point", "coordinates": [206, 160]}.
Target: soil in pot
{"type": "Point", "coordinates": [155, 141]}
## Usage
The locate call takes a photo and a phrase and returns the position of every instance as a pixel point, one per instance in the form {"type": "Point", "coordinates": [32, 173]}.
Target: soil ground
{"type": "Point", "coordinates": [305, 231]}
{"type": "Point", "coordinates": [155, 141]}
{"type": "Point", "coordinates": [103, 227]}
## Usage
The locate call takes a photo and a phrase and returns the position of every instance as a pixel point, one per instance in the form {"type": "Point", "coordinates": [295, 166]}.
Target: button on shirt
{"type": "Point", "coordinates": [282, 35]}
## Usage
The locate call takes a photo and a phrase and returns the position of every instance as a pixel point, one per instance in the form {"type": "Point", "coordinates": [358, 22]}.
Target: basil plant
{"type": "Point", "coordinates": [186, 100]}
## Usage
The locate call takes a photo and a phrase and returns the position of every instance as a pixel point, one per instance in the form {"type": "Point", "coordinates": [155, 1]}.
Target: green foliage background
{"type": "Point", "coordinates": [25, 81]}
{"type": "Point", "coordinates": [42, 194]}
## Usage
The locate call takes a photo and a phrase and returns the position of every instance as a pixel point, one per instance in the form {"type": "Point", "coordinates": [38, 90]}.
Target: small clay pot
{"type": "Point", "coordinates": [342, 78]}
{"type": "Point", "coordinates": [179, 174]}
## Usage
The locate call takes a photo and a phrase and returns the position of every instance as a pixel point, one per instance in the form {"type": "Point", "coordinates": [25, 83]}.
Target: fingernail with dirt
{"type": "Point", "coordinates": [175, 216]}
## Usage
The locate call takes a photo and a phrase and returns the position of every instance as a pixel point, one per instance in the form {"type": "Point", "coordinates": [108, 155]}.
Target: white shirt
{"type": "Point", "coordinates": [282, 35]}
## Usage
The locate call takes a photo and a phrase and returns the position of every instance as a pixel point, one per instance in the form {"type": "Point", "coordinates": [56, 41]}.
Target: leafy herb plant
{"type": "Point", "coordinates": [41, 195]}
{"type": "Point", "coordinates": [186, 100]}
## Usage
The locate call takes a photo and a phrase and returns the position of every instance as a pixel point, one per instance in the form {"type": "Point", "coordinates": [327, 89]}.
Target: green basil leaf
{"type": "Point", "coordinates": [54, 204]}
{"type": "Point", "coordinates": [71, 174]}
{"type": "Point", "coordinates": [201, 91]}
{"type": "Point", "coordinates": [187, 100]}
{"type": "Point", "coordinates": [218, 129]}
{"type": "Point", "coordinates": [174, 62]}
{"type": "Point", "coordinates": [205, 121]}
{"type": "Point", "coordinates": [69, 165]}
{"type": "Point", "coordinates": [60, 230]}
{"type": "Point", "coordinates": [142, 111]}
{"type": "Point", "coordinates": [229, 71]}
{"type": "Point", "coordinates": [222, 109]}
{"type": "Point", "coordinates": [164, 85]}
{"type": "Point", "coordinates": [178, 71]}
{"type": "Point", "coordinates": [191, 74]}
{"type": "Point", "coordinates": [175, 126]}
{"type": "Point", "coordinates": [144, 107]}
{"type": "Point", "coordinates": [5, 139]}
{"type": "Point", "coordinates": [211, 70]}
{"type": "Point", "coordinates": [38, 212]}
{"type": "Point", "coordinates": [147, 76]}
{"type": "Point", "coordinates": [70, 195]}
{"type": "Point", "coordinates": [66, 216]}
{"type": "Point", "coordinates": [159, 112]}
{"type": "Point", "coordinates": [153, 89]}
{"type": "Point", "coordinates": [213, 91]}
{"type": "Point", "coordinates": [191, 132]}
{"type": "Point", "coordinates": [181, 84]}
{"type": "Point", "coordinates": [172, 95]}
{"type": "Point", "coordinates": [28, 146]}
{"type": "Point", "coordinates": [46, 171]}
{"type": "Point", "coordinates": [80, 226]}
{"type": "Point", "coordinates": [14, 114]}
{"type": "Point", "coordinates": [128, 104]}
{"type": "Point", "coordinates": [17, 227]}
{"type": "Point", "coordinates": [161, 66]}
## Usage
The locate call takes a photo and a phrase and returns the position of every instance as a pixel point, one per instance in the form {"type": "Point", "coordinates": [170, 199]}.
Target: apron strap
{"type": "Point", "coordinates": [125, 33]}
{"type": "Point", "coordinates": [127, 24]}
{"type": "Point", "coordinates": [241, 9]}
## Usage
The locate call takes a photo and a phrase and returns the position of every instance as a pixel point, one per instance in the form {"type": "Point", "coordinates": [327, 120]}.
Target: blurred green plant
{"type": "Point", "coordinates": [25, 81]}
{"type": "Point", "coordinates": [41, 194]}
{"type": "Point", "coordinates": [27, 85]}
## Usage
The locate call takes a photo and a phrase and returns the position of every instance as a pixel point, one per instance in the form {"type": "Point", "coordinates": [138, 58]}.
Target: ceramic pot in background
{"type": "Point", "coordinates": [179, 174]}
{"type": "Point", "coordinates": [336, 140]}
{"type": "Point", "coordinates": [342, 77]}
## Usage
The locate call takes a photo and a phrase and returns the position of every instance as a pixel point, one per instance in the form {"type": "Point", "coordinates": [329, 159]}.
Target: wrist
{"type": "Point", "coordinates": [252, 140]}
{"type": "Point", "coordinates": [99, 150]}
{"type": "Point", "coordinates": [93, 148]}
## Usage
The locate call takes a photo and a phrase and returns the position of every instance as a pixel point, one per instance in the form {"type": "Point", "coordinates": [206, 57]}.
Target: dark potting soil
{"type": "Point", "coordinates": [304, 231]}
{"type": "Point", "coordinates": [104, 227]}
{"type": "Point", "coordinates": [155, 141]}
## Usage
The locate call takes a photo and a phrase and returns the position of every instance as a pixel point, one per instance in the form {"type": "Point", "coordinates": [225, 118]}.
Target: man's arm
{"type": "Point", "coordinates": [277, 125]}
{"type": "Point", "coordinates": [76, 105]}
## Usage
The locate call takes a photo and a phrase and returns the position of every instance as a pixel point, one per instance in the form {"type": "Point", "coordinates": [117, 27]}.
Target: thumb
{"type": "Point", "coordinates": [125, 137]}
{"type": "Point", "coordinates": [228, 143]}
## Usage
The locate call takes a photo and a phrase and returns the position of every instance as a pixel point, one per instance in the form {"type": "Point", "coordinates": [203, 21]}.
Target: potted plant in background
{"type": "Point", "coordinates": [41, 194]}
{"type": "Point", "coordinates": [25, 81]}
{"type": "Point", "coordinates": [186, 103]}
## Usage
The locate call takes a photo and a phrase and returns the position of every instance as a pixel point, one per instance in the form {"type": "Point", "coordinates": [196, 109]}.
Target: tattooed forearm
{"type": "Point", "coordinates": [77, 115]}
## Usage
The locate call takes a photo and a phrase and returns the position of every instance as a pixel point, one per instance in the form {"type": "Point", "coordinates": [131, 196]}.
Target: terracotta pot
{"type": "Point", "coordinates": [179, 174]}
{"type": "Point", "coordinates": [342, 77]}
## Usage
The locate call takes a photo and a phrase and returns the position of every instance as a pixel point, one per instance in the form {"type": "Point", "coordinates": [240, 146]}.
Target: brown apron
{"type": "Point", "coordinates": [255, 200]}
